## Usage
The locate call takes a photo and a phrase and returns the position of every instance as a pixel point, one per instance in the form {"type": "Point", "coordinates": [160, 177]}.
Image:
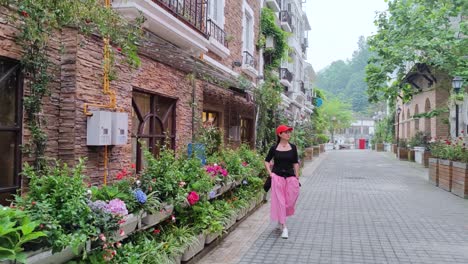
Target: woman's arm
{"type": "Point", "coordinates": [268, 168]}
{"type": "Point", "coordinates": [296, 169]}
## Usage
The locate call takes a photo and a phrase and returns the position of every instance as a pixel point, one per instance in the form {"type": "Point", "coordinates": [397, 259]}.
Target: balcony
{"type": "Point", "coordinates": [305, 45]}
{"type": "Point", "coordinates": [274, 5]}
{"type": "Point", "coordinates": [285, 77]}
{"type": "Point", "coordinates": [217, 37]}
{"type": "Point", "coordinates": [182, 23]}
{"type": "Point", "coordinates": [249, 64]}
{"type": "Point", "coordinates": [285, 21]}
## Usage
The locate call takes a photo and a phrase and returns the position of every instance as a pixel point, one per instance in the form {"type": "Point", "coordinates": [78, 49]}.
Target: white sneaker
{"type": "Point", "coordinates": [285, 233]}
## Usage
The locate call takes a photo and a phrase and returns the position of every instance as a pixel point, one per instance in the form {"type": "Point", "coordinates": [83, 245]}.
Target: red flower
{"type": "Point", "coordinates": [24, 13]}
{"type": "Point", "coordinates": [156, 231]}
{"type": "Point", "coordinates": [122, 221]}
{"type": "Point", "coordinates": [120, 176]}
{"type": "Point", "coordinates": [88, 21]}
{"type": "Point", "coordinates": [121, 232]}
{"type": "Point", "coordinates": [133, 165]}
{"type": "Point", "coordinates": [193, 198]}
{"type": "Point", "coordinates": [33, 203]}
{"type": "Point", "coordinates": [462, 131]}
{"type": "Point", "coordinates": [119, 49]}
{"type": "Point", "coordinates": [244, 164]}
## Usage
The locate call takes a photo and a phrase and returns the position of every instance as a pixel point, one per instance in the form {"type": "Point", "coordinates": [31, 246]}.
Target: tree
{"type": "Point", "coordinates": [337, 114]}
{"type": "Point", "coordinates": [416, 31]}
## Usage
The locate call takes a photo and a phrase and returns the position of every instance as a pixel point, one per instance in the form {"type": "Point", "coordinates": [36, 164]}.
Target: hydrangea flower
{"type": "Point", "coordinates": [212, 194]}
{"type": "Point", "coordinates": [140, 196]}
{"type": "Point", "coordinates": [193, 198]}
{"type": "Point", "coordinates": [99, 205]}
{"type": "Point", "coordinates": [117, 207]}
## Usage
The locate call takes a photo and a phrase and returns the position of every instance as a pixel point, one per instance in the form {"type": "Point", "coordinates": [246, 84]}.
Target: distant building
{"type": "Point", "coordinates": [361, 128]}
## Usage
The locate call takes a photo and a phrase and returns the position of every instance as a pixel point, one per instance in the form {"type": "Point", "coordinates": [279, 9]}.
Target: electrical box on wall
{"type": "Point", "coordinates": [99, 128]}
{"type": "Point", "coordinates": [119, 128]}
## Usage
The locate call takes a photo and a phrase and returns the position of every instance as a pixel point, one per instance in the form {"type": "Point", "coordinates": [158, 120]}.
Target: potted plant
{"type": "Point", "coordinates": [402, 150]}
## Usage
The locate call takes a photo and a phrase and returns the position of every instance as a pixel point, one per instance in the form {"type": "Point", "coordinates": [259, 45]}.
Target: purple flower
{"type": "Point", "coordinates": [140, 196]}
{"type": "Point", "coordinates": [117, 207]}
{"type": "Point", "coordinates": [212, 194]}
{"type": "Point", "coordinates": [98, 205]}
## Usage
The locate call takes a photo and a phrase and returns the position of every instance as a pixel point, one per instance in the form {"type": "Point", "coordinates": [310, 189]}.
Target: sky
{"type": "Point", "coordinates": [336, 27]}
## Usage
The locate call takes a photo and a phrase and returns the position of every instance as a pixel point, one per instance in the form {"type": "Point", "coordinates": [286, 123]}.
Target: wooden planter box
{"type": "Point", "coordinates": [379, 147]}
{"type": "Point", "coordinates": [434, 171]}
{"type": "Point", "coordinates": [394, 148]}
{"type": "Point", "coordinates": [411, 155]}
{"type": "Point", "coordinates": [309, 153]}
{"type": "Point", "coordinates": [316, 151]}
{"type": "Point", "coordinates": [445, 174]}
{"type": "Point", "coordinates": [427, 155]}
{"type": "Point", "coordinates": [322, 148]}
{"type": "Point", "coordinates": [460, 179]}
{"type": "Point", "coordinates": [402, 153]}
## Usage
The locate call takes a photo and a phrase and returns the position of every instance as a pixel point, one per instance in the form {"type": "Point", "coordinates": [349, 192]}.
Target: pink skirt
{"type": "Point", "coordinates": [284, 193]}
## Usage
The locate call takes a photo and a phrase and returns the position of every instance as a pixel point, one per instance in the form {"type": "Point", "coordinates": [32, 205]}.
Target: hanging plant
{"type": "Point", "coordinates": [39, 21]}
{"type": "Point", "coordinates": [269, 28]}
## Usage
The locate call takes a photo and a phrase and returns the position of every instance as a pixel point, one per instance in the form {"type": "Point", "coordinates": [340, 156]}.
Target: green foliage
{"type": "Point", "coordinates": [122, 189]}
{"type": "Point", "coordinates": [449, 150]}
{"type": "Point", "coordinates": [211, 137]}
{"type": "Point", "coordinates": [432, 113]}
{"type": "Point", "coordinates": [384, 130]}
{"type": "Point", "coordinates": [345, 80]}
{"type": "Point", "coordinates": [269, 28]}
{"type": "Point", "coordinates": [57, 199]}
{"type": "Point", "coordinates": [16, 229]}
{"type": "Point", "coordinates": [38, 21]}
{"type": "Point", "coordinates": [420, 139]}
{"type": "Point", "coordinates": [416, 31]}
{"type": "Point", "coordinates": [337, 114]}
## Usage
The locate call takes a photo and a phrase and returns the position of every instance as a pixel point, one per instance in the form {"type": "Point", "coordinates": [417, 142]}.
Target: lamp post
{"type": "Point", "coordinates": [456, 85]}
{"type": "Point", "coordinates": [398, 126]}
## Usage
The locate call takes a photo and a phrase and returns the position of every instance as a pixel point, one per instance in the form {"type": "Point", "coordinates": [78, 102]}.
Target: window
{"type": "Point", "coordinates": [246, 130]}
{"type": "Point", "coordinates": [153, 123]}
{"type": "Point", "coordinates": [210, 118]}
{"type": "Point", "coordinates": [216, 12]}
{"type": "Point", "coordinates": [248, 34]}
{"type": "Point", "coordinates": [10, 127]}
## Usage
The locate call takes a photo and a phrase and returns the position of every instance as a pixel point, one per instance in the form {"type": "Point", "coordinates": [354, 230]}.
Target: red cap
{"type": "Point", "coordinates": [282, 128]}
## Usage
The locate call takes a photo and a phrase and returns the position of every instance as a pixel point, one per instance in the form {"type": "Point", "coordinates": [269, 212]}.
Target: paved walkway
{"type": "Point", "coordinates": [357, 207]}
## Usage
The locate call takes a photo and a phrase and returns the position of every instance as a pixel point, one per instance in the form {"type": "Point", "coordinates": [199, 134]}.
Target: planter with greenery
{"type": "Point", "coordinates": [402, 150]}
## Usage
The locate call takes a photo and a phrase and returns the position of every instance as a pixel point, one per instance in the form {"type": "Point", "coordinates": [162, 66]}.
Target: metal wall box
{"type": "Point", "coordinates": [119, 130]}
{"type": "Point", "coordinates": [99, 128]}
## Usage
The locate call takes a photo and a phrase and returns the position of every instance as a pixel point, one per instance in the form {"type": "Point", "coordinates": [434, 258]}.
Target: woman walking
{"type": "Point", "coordinates": [284, 177]}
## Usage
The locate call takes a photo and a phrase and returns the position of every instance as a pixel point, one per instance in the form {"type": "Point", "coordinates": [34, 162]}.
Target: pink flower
{"type": "Point", "coordinates": [224, 172]}
{"type": "Point", "coordinates": [193, 198]}
{"type": "Point", "coordinates": [133, 165]}
{"type": "Point", "coordinates": [245, 164]}
{"type": "Point", "coordinates": [102, 237]}
{"type": "Point", "coordinates": [156, 231]}
{"type": "Point", "coordinates": [117, 207]}
{"type": "Point", "coordinates": [121, 232]}
{"type": "Point", "coordinates": [118, 245]}
{"type": "Point", "coordinates": [173, 219]}
{"type": "Point", "coordinates": [182, 184]}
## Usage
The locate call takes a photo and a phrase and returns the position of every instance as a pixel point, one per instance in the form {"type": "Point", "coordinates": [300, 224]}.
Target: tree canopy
{"type": "Point", "coordinates": [416, 31]}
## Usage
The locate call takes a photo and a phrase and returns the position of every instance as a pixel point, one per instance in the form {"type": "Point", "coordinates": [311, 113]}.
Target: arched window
{"type": "Point", "coordinates": [11, 121]}
{"type": "Point", "coordinates": [416, 121]}
{"type": "Point", "coordinates": [408, 124]}
{"type": "Point", "coordinates": [427, 121]}
{"type": "Point", "coordinates": [153, 122]}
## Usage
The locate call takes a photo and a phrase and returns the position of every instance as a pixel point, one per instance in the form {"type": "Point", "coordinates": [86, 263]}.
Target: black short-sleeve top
{"type": "Point", "coordinates": [284, 160]}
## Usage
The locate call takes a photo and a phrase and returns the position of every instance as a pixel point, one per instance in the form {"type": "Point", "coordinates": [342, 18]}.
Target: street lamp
{"type": "Point", "coordinates": [398, 126]}
{"type": "Point", "coordinates": [456, 85]}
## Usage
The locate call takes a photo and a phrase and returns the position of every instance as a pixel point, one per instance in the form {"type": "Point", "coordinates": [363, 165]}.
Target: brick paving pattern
{"type": "Point", "coordinates": [368, 207]}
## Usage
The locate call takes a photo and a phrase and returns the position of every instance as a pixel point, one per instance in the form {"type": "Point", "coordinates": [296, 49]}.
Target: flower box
{"type": "Point", "coordinates": [402, 153]}
{"type": "Point", "coordinates": [379, 147]}
{"type": "Point", "coordinates": [434, 171]}
{"type": "Point", "coordinates": [127, 227]}
{"type": "Point", "coordinates": [460, 179]}
{"type": "Point", "coordinates": [322, 148]}
{"type": "Point", "coordinates": [210, 237]}
{"type": "Point", "coordinates": [149, 220]}
{"type": "Point", "coordinates": [316, 151]}
{"type": "Point", "coordinates": [445, 174]}
{"type": "Point", "coordinates": [242, 212]}
{"type": "Point", "coordinates": [176, 259]}
{"type": "Point", "coordinates": [411, 155]}
{"type": "Point", "coordinates": [426, 156]}
{"type": "Point", "coordinates": [194, 248]}
{"type": "Point", "coordinates": [394, 148]}
{"type": "Point", "coordinates": [45, 256]}
{"type": "Point", "coordinates": [309, 153]}
{"type": "Point", "coordinates": [226, 187]}
{"type": "Point", "coordinates": [231, 222]}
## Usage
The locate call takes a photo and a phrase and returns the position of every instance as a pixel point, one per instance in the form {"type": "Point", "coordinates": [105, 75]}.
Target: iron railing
{"type": "Point", "coordinates": [249, 59]}
{"type": "Point", "coordinates": [305, 44]}
{"type": "Point", "coordinates": [213, 30]}
{"type": "Point", "coordinates": [285, 74]}
{"type": "Point", "coordinates": [285, 17]}
{"type": "Point", "coordinates": [192, 12]}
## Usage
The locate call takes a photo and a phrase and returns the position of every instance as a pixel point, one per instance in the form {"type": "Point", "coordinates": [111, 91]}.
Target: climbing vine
{"type": "Point", "coordinates": [433, 113]}
{"type": "Point", "coordinates": [269, 28]}
{"type": "Point", "coordinates": [38, 21]}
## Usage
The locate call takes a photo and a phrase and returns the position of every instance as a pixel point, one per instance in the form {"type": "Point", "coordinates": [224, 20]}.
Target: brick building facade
{"type": "Point", "coordinates": [160, 90]}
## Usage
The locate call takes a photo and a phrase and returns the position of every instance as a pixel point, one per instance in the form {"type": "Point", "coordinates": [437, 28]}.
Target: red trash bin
{"type": "Point", "coordinates": [362, 143]}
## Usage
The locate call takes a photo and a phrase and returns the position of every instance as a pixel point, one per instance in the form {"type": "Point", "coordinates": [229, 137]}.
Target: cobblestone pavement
{"type": "Point", "coordinates": [358, 207]}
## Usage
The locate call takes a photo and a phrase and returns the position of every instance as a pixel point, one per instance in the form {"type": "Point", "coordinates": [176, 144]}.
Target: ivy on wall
{"type": "Point", "coordinates": [38, 21]}
{"type": "Point", "coordinates": [269, 28]}
{"type": "Point", "coordinates": [431, 114]}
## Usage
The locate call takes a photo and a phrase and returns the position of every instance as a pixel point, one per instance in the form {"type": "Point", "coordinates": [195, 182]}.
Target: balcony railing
{"type": "Point", "coordinates": [249, 59]}
{"type": "Point", "coordinates": [192, 12]}
{"type": "Point", "coordinates": [213, 30]}
{"type": "Point", "coordinates": [302, 86]}
{"type": "Point", "coordinates": [285, 74]}
{"type": "Point", "coordinates": [285, 17]}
